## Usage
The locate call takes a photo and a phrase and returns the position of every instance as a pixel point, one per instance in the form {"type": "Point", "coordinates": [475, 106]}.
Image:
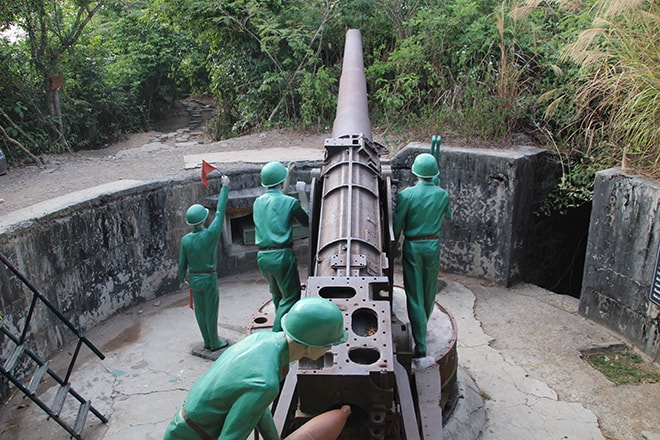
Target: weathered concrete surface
{"type": "Point", "coordinates": [20, 218]}
{"type": "Point", "coordinates": [532, 340]}
{"type": "Point", "coordinates": [624, 237]}
{"type": "Point", "coordinates": [87, 260]}
{"type": "Point", "coordinates": [493, 196]}
{"type": "Point", "coordinates": [522, 374]}
{"type": "Point", "coordinates": [98, 251]}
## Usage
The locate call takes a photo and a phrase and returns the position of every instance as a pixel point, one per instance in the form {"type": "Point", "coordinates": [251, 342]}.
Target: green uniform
{"type": "Point", "coordinates": [419, 212]}
{"type": "Point", "coordinates": [274, 213]}
{"type": "Point", "coordinates": [233, 396]}
{"type": "Point", "coordinates": [199, 255]}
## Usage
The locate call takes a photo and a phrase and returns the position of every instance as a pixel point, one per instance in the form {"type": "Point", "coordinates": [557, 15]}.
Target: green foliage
{"type": "Point", "coordinates": [620, 95]}
{"type": "Point", "coordinates": [575, 187]}
{"type": "Point", "coordinates": [20, 89]}
{"type": "Point", "coordinates": [120, 71]}
{"type": "Point", "coordinates": [269, 62]}
{"type": "Point", "coordinates": [317, 98]}
{"type": "Point", "coordinates": [144, 59]}
{"type": "Point", "coordinates": [98, 110]}
{"type": "Point", "coordinates": [604, 106]}
{"type": "Point", "coordinates": [122, 75]}
{"type": "Point", "coordinates": [454, 70]}
{"type": "Point", "coordinates": [580, 77]}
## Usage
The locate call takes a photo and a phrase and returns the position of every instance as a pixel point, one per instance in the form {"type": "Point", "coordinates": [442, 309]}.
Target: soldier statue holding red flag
{"type": "Point", "coordinates": [198, 256]}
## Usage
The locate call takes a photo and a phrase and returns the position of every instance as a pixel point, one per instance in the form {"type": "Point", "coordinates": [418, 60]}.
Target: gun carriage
{"type": "Point", "coordinates": [351, 243]}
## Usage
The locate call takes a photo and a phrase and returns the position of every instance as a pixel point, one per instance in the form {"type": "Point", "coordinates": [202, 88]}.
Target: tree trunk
{"type": "Point", "coordinates": [53, 99]}
{"type": "Point", "coordinates": [11, 140]}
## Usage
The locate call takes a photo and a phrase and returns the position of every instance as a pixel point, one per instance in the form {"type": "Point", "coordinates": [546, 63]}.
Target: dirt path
{"type": "Point", "coordinates": [136, 158]}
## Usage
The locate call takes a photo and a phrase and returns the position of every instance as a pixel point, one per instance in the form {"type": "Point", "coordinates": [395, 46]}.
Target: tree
{"type": "Point", "coordinates": [52, 28]}
{"type": "Point", "coordinates": [265, 57]}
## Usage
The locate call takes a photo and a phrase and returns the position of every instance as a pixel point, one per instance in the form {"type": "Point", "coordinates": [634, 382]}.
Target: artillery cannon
{"type": "Point", "coordinates": [351, 243]}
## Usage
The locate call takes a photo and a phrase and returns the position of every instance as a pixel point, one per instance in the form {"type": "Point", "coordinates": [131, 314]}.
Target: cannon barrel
{"type": "Point", "coordinates": [352, 106]}
{"type": "Point", "coordinates": [351, 212]}
{"type": "Point", "coordinates": [351, 243]}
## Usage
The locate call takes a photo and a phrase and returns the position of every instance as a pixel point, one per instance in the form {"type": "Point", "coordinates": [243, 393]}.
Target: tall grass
{"type": "Point", "coordinates": [619, 100]}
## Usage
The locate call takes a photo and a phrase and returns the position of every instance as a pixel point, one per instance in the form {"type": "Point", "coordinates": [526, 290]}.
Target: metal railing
{"type": "Point", "coordinates": [42, 367]}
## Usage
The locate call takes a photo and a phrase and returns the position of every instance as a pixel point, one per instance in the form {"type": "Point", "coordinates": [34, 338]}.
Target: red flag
{"type": "Point", "coordinates": [206, 169]}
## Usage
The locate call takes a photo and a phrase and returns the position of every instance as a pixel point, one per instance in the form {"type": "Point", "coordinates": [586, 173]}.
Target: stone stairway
{"type": "Point", "coordinates": [198, 111]}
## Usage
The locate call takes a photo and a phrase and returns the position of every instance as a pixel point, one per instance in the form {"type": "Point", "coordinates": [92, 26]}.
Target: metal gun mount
{"type": "Point", "coordinates": [351, 263]}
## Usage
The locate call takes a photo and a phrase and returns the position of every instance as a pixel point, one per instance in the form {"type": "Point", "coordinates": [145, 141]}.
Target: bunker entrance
{"type": "Point", "coordinates": [556, 250]}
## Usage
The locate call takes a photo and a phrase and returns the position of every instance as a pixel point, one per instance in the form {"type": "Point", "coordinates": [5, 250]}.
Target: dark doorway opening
{"type": "Point", "coordinates": [555, 251]}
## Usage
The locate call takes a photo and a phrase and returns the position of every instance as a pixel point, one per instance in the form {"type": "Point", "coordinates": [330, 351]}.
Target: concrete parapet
{"type": "Point", "coordinates": [93, 256]}
{"type": "Point", "coordinates": [96, 252]}
{"type": "Point", "coordinates": [494, 194]}
{"type": "Point", "coordinates": [624, 241]}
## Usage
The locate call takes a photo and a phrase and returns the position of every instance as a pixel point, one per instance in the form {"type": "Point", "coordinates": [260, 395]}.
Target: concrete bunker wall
{"type": "Point", "coordinates": [624, 241]}
{"type": "Point", "coordinates": [106, 249]}
{"type": "Point", "coordinates": [94, 257]}
{"type": "Point", "coordinates": [494, 194]}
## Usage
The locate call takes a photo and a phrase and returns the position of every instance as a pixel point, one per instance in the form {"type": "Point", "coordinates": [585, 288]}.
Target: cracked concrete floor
{"type": "Point", "coordinates": [522, 348]}
{"type": "Point", "coordinates": [520, 345]}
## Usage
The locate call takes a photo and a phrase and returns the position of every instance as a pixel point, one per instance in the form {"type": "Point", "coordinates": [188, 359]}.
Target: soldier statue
{"type": "Point", "coordinates": [274, 213]}
{"type": "Point", "coordinates": [199, 256]}
{"type": "Point", "coordinates": [233, 397]}
{"type": "Point", "coordinates": [419, 212]}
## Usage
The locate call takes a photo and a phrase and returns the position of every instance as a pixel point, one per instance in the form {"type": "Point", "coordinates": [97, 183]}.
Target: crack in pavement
{"type": "Point", "coordinates": [509, 391]}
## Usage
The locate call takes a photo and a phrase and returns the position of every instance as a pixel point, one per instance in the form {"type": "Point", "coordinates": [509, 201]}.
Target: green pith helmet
{"type": "Point", "coordinates": [315, 322]}
{"type": "Point", "coordinates": [425, 166]}
{"type": "Point", "coordinates": [196, 215]}
{"type": "Point", "coordinates": [273, 173]}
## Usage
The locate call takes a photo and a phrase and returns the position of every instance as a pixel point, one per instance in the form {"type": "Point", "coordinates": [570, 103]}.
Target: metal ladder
{"type": "Point", "coordinates": [21, 352]}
